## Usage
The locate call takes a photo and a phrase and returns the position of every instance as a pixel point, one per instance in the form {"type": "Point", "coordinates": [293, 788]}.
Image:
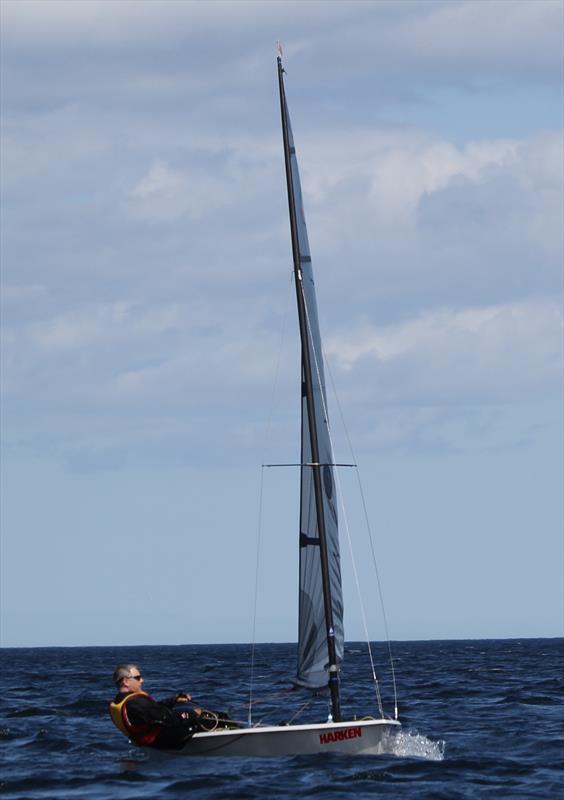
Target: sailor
{"type": "Point", "coordinates": [149, 723]}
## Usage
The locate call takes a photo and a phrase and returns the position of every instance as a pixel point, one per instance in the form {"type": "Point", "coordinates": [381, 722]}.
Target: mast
{"type": "Point", "coordinates": [310, 402]}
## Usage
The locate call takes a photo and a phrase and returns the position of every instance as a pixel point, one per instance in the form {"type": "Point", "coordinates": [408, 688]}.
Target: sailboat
{"type": "Point", "coordinates": [320, 630]}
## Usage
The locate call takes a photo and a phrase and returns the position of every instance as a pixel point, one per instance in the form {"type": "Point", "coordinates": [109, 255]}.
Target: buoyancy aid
{"type": "Point", "coordinates": [142, 734]}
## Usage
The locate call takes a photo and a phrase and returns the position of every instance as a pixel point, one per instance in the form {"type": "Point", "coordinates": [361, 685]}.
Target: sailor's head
{"type": "Point", "coordinates": [127, 677]}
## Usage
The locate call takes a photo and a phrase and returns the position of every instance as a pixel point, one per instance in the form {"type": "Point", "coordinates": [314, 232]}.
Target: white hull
{"type": "Point", "coordinates": [362, 737]}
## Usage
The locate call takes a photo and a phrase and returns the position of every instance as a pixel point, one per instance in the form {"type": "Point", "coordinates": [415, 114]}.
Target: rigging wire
{"type": "Point", "coordinates": [259, 521]}
{"type": "Point", "coordinates": [371, 541]}
{"type": "Point", "coordinates": [253, 639]}
{"type": "Point", "coordinates": [388, 643]}
{"type": "Point", "coordinates": [345, 518]}
{"type": "Point", "coordinates": [359, 594]}
{"type": "Point", "coordinates": [300, 710]}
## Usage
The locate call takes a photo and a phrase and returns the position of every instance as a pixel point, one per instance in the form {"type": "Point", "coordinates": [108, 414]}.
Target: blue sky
{"type": "Point", "coordinates": [148, 314]}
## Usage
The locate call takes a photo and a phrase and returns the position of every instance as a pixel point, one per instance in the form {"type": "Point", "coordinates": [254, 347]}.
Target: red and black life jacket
{"type": "Point", "coordinates": [142, 734]}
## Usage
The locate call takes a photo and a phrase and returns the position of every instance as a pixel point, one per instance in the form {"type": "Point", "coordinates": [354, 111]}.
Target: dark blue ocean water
{"type": "Point", "coordinates": [482, 719]}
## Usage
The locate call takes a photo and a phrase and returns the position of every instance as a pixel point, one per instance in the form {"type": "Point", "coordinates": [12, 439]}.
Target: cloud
{"type": "Point", "coordinates": [182, 57]}
{"type": "Point", "coordinates": [496, 34]}
{"type": "Point", "coordinates": [410, 217]}
{"type": "Point", "coordinates": [143, 191]}
{"type": "Point", "coordinates": [436, 34]}
{"type": "Point", "coordinates": [510, 353]}
{"type": "Point", "coordinates": [166, 194]}
{"type": "Point", "coordinates": [401, 168]}
{"type": "Point", "coordinates": [451, 255]}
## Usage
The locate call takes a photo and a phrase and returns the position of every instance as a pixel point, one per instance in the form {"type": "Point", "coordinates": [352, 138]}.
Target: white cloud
{"type": "Point", "coordinates": [144, 190]}
{"type": "Point", "coordinates": [523, 37]}
{"type": "Point", "coordinates": [509, 353]}
{"type": "Point", "coordinates": [199, 341]}
{"type": "Point", "coordinates": [402, 176]}
{"type": "Point", "coordinates": [496, 31]}
{"type": "Point", "coordinates": [166, 194]}
{"type": "Point", "coordinates": [159, 179]}
{"type": "Point", "coordinates": [410, 217]}
{"type": "Point", "coordinates": [76, 330]}
{"type": "Point", "coordinates": [396, 170]}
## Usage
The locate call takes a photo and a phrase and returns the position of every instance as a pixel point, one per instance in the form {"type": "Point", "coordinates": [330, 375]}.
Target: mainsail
{"type": "Point", "coordinates": [314, 630]}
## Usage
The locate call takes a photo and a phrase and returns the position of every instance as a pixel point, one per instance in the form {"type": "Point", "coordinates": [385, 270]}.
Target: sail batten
{"type": "Point", "coordinates": [320, 627]}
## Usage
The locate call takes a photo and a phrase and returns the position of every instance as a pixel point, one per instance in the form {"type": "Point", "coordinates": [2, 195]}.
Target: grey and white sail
{"type": "Point", "coordinates": [313, 629]}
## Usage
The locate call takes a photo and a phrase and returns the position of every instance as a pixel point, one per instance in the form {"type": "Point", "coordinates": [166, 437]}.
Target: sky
{"type": "Point", "coordinates": [150, 360]}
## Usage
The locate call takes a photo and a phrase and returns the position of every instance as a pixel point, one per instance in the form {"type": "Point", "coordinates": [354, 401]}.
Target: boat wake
{"type": "Point", "coordinates": [410, 744]}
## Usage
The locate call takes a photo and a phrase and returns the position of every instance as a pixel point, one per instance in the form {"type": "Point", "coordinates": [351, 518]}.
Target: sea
{"type": "Point", "coordinates": [480, 719]}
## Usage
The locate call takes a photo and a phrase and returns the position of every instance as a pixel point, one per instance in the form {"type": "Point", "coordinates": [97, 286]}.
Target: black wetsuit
{"type": "Point", "coordinates": [177, 725]}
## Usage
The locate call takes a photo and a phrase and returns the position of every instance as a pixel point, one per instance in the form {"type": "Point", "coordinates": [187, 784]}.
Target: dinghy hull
{"type": "Point", "coordinates": [361, 737]}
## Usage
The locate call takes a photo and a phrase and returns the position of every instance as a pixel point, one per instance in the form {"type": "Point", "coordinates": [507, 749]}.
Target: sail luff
{"type": "Point", "coordinates": [317, 506]}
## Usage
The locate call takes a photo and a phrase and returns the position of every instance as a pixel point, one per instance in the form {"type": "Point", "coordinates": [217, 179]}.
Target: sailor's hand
{"type": "Point", "coordinates": [182, 697]}
{"type": "Point", "coordinates": [197, 711]}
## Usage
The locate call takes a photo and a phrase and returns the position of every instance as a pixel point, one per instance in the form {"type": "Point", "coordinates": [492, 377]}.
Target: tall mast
{"type": "Point", "coordinates": [310, 402]}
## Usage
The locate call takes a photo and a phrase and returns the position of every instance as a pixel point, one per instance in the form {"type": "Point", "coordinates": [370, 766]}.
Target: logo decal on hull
{"type": "Point", "coordinates": [339, 736]}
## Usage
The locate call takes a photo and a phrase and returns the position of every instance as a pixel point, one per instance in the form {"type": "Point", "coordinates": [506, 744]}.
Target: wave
{"type": "Point", "coordinates": [410, 744]}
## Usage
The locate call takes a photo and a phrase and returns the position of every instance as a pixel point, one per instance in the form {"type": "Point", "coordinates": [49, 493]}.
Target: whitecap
{"type": "Point", "coordinates": [410, 744]}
